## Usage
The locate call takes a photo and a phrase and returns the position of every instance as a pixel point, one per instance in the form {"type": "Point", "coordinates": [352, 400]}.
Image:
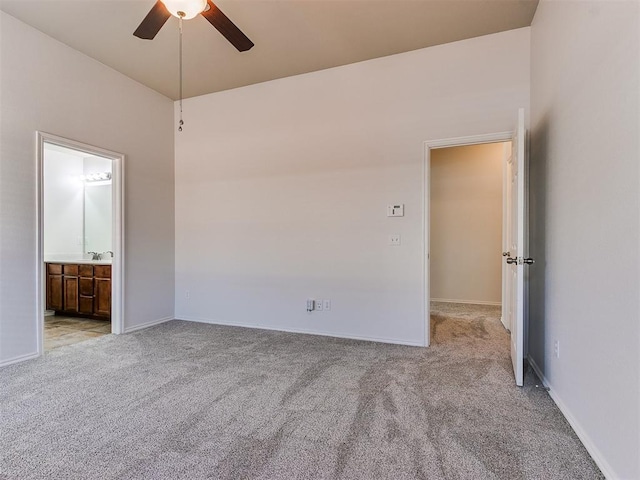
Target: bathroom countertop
{"type": "Point", "coordinates": [84, 261]}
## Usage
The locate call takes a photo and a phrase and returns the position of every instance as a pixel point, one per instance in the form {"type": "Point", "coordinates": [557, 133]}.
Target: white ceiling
{"type": "Point", "coordinates": [291, 36]}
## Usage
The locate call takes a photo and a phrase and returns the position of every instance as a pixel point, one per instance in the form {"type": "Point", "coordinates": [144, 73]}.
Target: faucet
{"type": "Point", "coordinates": [96, 255]}
{"type": "Point", "coordinates": [109, 252]}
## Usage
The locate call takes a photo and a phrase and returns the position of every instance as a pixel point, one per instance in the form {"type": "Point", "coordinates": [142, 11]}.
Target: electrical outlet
{"type": "Point", "coordinates": [327, 304]}
{"type": "Point", "coordinates": [394, 240]}
{"type": "Point", "coordinates": [319, 305]}
{"type": "Point", "coordinates": [556, 348]}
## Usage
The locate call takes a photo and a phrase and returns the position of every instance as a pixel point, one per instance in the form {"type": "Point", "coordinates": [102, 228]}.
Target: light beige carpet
{"type": "Point", "coordinates": [192, 401]}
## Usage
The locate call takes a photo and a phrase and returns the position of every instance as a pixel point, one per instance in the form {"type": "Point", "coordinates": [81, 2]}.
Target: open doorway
{"type": "Point", "coordinates": [501, 142]}
{"type": "Point", "coordinates": [466, 234]}
{"type": "Point", "coordinates": [514, 237]}
{"type": "Point", "coordinates": [80, 242]}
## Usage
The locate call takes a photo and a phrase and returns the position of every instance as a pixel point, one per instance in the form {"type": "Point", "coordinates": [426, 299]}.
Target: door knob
{"type": "Point", "coordinates": [514, 261]}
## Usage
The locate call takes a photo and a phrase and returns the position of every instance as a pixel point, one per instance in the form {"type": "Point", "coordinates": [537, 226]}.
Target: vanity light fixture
{"type": "Point", "coordinates": [96, 177]}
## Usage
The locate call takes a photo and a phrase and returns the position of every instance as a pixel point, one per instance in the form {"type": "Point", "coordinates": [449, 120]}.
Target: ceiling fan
{"type": "Point", "coordinates": [187, 9]}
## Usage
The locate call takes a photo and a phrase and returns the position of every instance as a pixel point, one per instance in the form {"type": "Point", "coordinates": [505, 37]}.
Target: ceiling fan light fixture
{"type": "Point", "coordinates": [185, 9]}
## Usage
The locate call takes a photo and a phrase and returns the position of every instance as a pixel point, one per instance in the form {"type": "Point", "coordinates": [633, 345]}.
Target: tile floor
{"type": "Point", "coordinates": [60, 330]}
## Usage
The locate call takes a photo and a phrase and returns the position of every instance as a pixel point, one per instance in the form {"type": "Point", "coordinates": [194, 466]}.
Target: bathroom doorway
{"type": "Point", "coordinates": [80, 254]}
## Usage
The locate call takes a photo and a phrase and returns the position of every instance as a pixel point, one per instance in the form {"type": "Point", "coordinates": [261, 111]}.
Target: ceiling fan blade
{"type": "Point", "coordinates": [227, 28]}
{"type": "Point", "coordinates": [153, 22]}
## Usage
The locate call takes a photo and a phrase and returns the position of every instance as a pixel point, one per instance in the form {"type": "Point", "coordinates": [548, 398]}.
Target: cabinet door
{"type": "Point", "coordinates": [54, 292]}
{"type": "Point", "coordinates": [70, 294]}
{"type": "Point", "coordinates": [102, 297]}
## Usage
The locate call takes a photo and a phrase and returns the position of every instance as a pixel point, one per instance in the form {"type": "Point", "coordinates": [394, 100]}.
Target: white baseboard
{"type": "Point", "coordinates": [21, 358]}
{"type": "Point", "coordinates": [393, 341]}
{"type": "Point", "coordinates": [470, 302]}
{"type": "Point", "coordinates": [147, 324]}
{"type": "Point", "coordinates": [595, 453]}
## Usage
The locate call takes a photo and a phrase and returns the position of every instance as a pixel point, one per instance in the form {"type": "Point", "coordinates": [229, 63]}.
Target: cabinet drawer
{"type": "Point", "coordinates": [70, 269]}
{"type": "Point", "coordinates": [85, 270]}
{"type": "Point", "coordinates": [85, 305]}
{"type": "Point", "coordinates": [86, 287]}
{"type": "Point", "coordinates": [54, 269]}
{"type": "Point", "coordinates": [102, 271]}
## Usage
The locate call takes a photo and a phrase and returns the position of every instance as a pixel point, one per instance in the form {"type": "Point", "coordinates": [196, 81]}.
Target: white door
{"type": "Point", "coordinates": [517, 259]}
{"type": "Point", "coordinates": [506, 234]}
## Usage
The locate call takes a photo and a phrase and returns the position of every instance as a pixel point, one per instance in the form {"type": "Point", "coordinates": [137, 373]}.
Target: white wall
{"type": "Point", "coordinates": [585, 212]}
{"type": "Point", "coordinates": [466, 223]}
{"type": "Point", "coordinates": [282, 187]}
{"type": "Point", "coordinates": [45, 85]}
{"type": "Point", "coordinates": [63, 198]}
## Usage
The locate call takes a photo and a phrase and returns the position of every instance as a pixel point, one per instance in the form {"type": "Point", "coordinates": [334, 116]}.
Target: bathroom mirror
{"type": "Point", "coordinates": [77, 195]}
{"type": "Point", "coordinates": [97, 205]}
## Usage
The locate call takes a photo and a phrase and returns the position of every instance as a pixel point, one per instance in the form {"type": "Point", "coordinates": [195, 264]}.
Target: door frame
{"type": "Point", "coordinates": [117, 229]}
{"type": "Point", "coordinates": [426, 222]}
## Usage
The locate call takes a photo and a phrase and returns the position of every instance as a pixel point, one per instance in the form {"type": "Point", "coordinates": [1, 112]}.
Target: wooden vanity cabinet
{"type": "Point", "coordinates": [79, 289]}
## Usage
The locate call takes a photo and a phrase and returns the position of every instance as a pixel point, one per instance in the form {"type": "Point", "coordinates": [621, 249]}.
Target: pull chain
{"type": "Point", "coordinates": [180, 123]}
